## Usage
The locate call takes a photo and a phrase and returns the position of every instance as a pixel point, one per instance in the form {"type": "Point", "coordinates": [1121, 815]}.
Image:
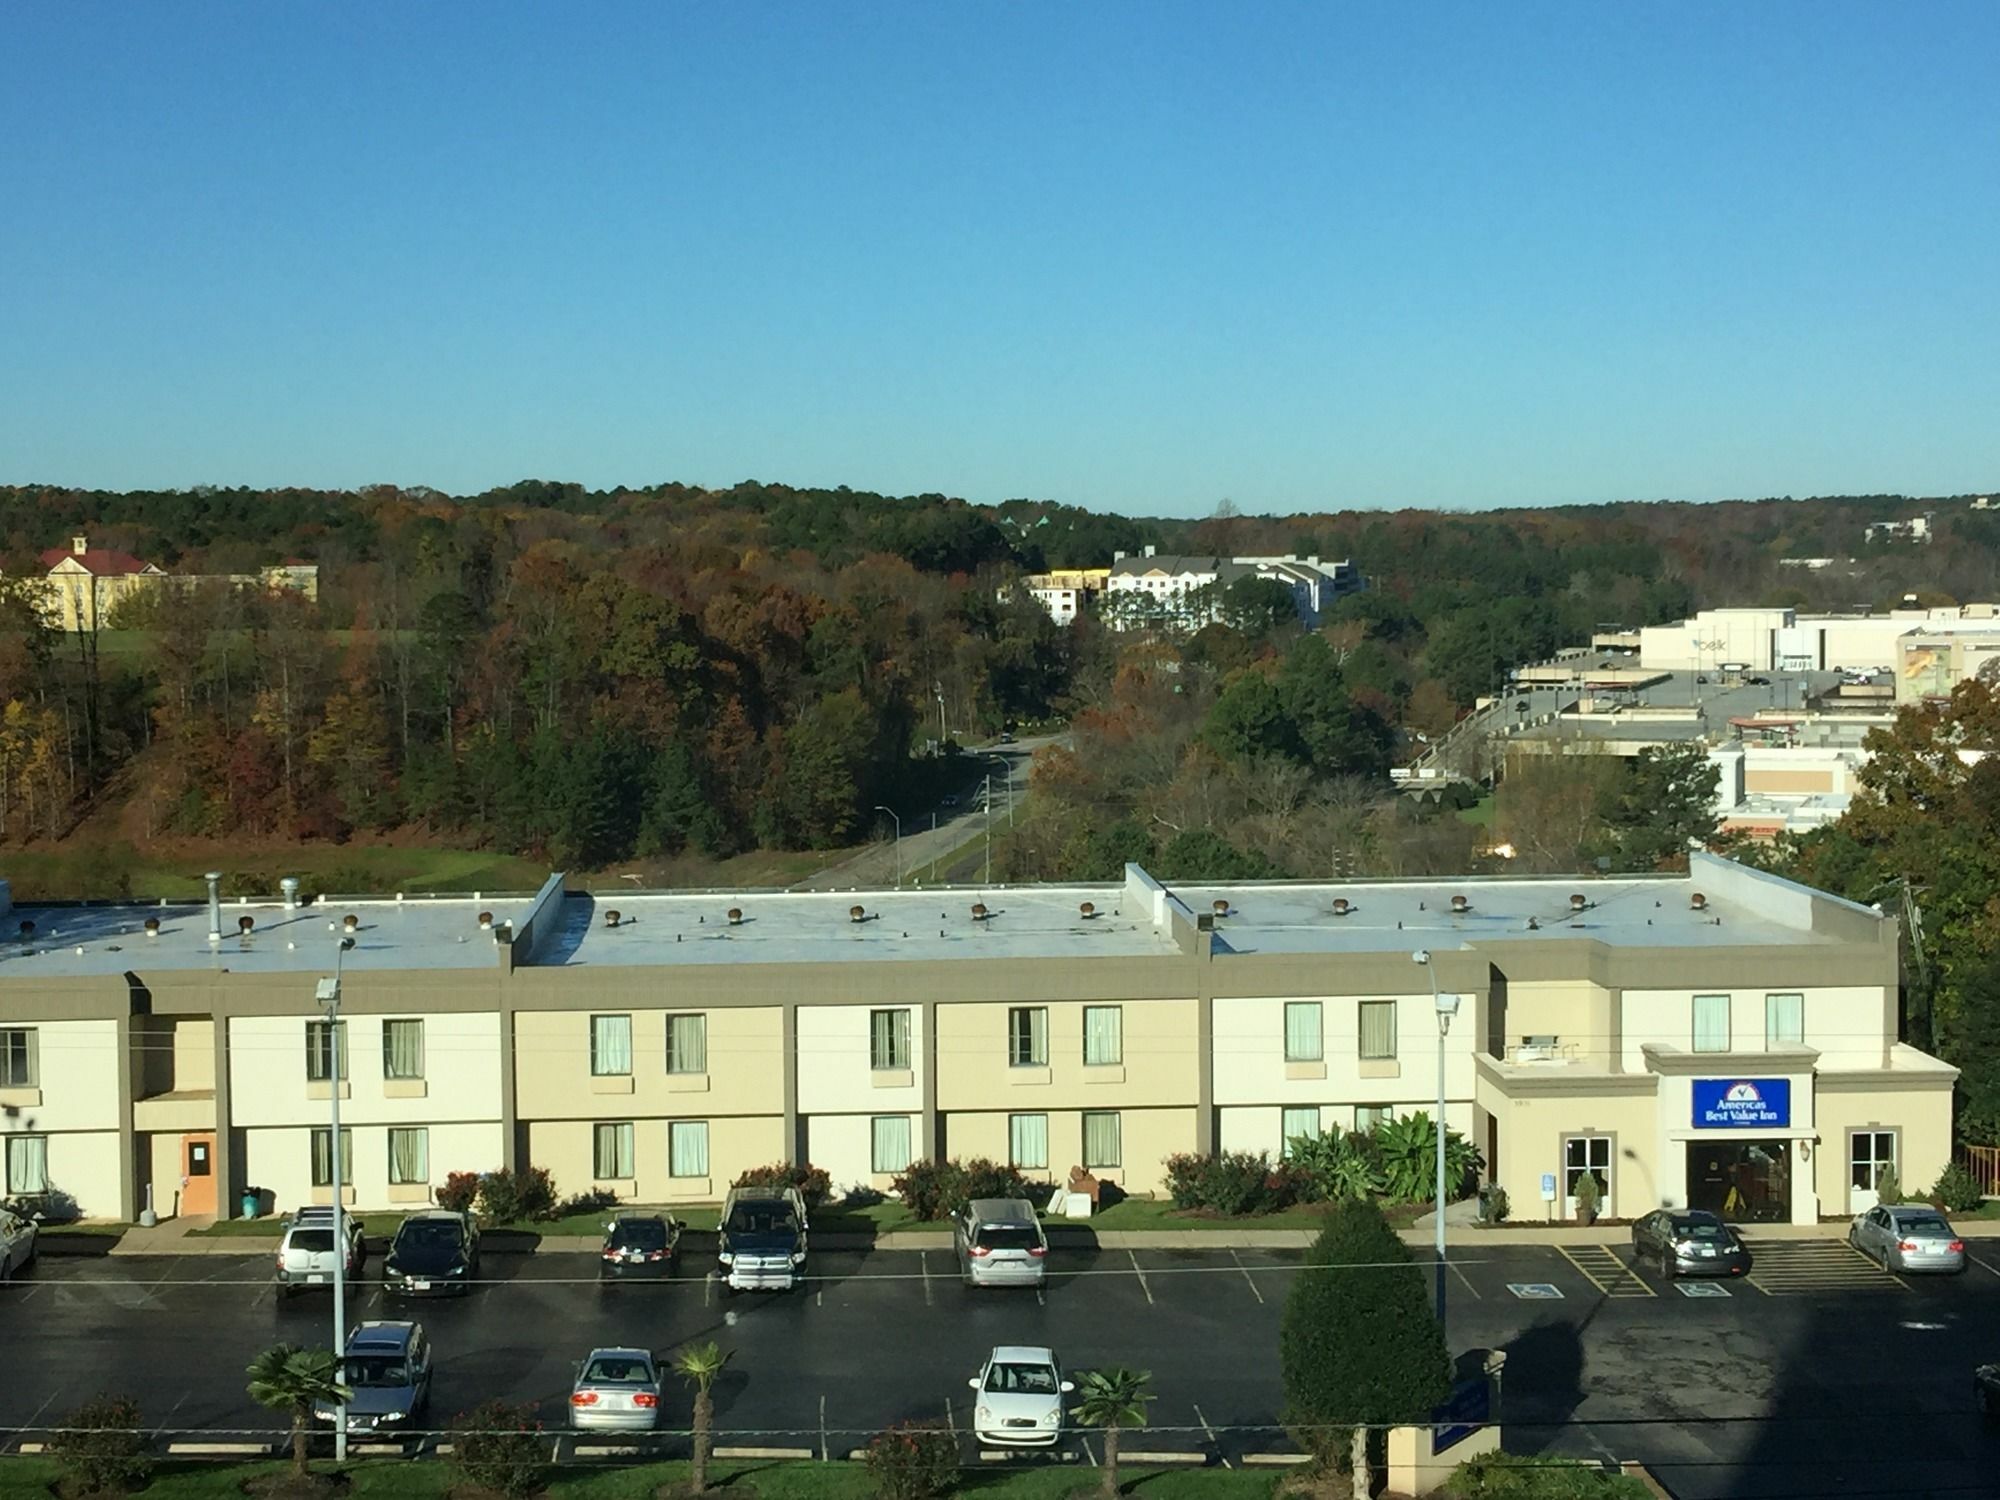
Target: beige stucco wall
{"type": "Point", "coordinates": [194, 1054]}
{"type": "Point", "coordinates": [844, 1146]}
{"type": "Point", "coordinates": [1920, 1117]}
{"type": "Point", "coordinates": [1161, 1067]}
{"type": "Point", "coordinates": [161, 1161]}
{"type": "Point", "coordinates": [746, 1067]}
{"type": "Point", "coordinates": [77, 1072]}
{"type": "Point", "coordinates": [834, 1072]}
{"type": "Point", "coordinates": [1260, 1127]}
{"type": "Point", "coordinates": [1786, 781]}
{"type": "Point", "coordinates": [278, 1159]}
{"type": "Point", "coordinates": [1851, 1026]}
{"type": "Point", "coordinates": [567, 1149]}
{"type": "Point", "coordinates": [1531, 1132]}
{"type": "Point", "coordinates": [268, 1085]}
{"type": "Point", "coordinates": [1250, 1066]}
{"type": "Point", "coordinates": [1574, 1011]}
{"type": "Point", "coordinates": [1148, 1137]}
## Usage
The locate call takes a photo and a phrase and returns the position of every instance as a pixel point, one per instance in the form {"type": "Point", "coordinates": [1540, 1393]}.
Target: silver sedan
{"type": "Point", "coordinates": [1908, 1237]}
{"type": "Point", "coordinates": [617, 1390]}
{"type": "Point", "coordinates": [17, 1244]}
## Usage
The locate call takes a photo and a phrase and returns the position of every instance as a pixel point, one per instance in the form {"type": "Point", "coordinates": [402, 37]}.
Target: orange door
{"type": "Point", "coordinates": [198, 1174]}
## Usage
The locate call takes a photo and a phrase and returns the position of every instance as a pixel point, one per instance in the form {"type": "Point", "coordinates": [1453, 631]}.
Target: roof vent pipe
{"type": "Point", "coordinates": [214, 879]}
{"type": "Point", "coordinates": [289, 889]}
{"type": "Point", "coordinates": [1340, 906]}
{"type": "Point", "coordinates": [486, 921]}
{"type": "Point", "coordinates": [735, 916]}
{"type": "Point", "coordinates": [1222, 908]}
{"type": "Point", "coordinates": [611, 917]}
{"type": "Point", "coordinates": [979, 912]}
{"type": "Point", "coordinates": [244, 924]}
{"type": "Point", "coordinates": [350, 923]}
{"type": "Point", "coordinates": [1459, 904]}
{"type": "Point", "coordinates": [152, 927]}
{"type": "Point", "coordinates": [857, 913]}
{"type": "Point", "coordinates": [1578, 902]}
{"type": "Point", "coordinates": [1698, 901]}
{"type": "Point", "coordinates": [1087, 910]}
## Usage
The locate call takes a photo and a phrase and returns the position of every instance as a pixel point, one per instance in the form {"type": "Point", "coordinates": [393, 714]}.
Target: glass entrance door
{"type": "Point", "coordinates": [1592, 1154]}
{"type": "Point", "coordinates": [1871, 1154]}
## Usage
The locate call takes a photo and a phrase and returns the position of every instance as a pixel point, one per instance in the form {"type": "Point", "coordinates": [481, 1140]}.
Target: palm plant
{"type": "Point", "coordinates": [287, 1378]}
{"type": "Point", "coordinates": [1113, 1399]}
{"type": "Point", "coordinates": [699, 1366]}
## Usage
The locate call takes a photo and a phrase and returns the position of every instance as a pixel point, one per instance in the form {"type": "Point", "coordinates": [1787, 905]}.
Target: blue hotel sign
{"type": "Point", "coordinates": [1742, 1103]}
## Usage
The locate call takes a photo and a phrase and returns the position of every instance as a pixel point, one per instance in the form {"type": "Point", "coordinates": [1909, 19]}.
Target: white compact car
{"type": "Point", "coordinates": [1020, 1398]}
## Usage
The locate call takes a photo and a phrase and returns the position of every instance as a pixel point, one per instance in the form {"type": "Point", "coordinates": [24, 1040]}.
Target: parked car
{"type": "Point", "coordinates": [616, 1390]}
{"type": "Point", "coordinates": [1007, 737]}
{"type": "Point", "coordinates": [1690, 1242]}
{"type": "Point", "coordinates": [950, 799]}
{"type": "Point", "coordinates": [388, 1368]}
{"type": "Point", "coordinates": [999, 1242]}
{"type": "Point", "coordinates": [761, 1244]}
{"type": "Point", "coordinates": [435, 1253]}
{"type": "Point", "coordinates": [1986, 1389]}
{"type": "Point", "coordinates": [1908, 1237]}
{"type": "Point", "coordinates": [639, 1247]}
{"type": "Point", "coordinates": [17, 1244]}
{"type": "Point", "coordinates": [1020, 1397]}
{"type": "Point", "coordinates": [306, 1249]}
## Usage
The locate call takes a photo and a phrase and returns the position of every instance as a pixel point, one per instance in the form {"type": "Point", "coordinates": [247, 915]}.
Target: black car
{"type": "Point", "coordinates": [1690, 1242]}
{"type": "Point", "coordinates": [639, 1247]}
{"type": "Point", "coordinates": [435, 1254]}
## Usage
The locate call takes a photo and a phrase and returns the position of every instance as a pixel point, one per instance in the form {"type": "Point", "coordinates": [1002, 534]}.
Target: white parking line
{"type": "Point", "coordinates": [1246, 1277]}
{"type": "Point", "coordinates": [1140, 1273]}
{"type": "Point", "coordinates": [1210, 1431]}
{"type": "Point", "coordinates": [925, 1257]}
{"type": "Point", "coordinates": [950, 1420]}
{"type": "Point", "coordinates": [822, 1428]}
{"type": "Point", "coordinates": [1980, 1260]}
{"type": "Point", "coordinates": [42, 1408]}
{"type": "Point", "coordinates": [1084, 1443]}
{"type": "Point", "coordinates": [1464, 1278]}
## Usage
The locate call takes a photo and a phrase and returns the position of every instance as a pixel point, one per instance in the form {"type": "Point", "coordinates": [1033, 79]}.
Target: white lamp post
{"type": "Point", "coordinates": [1446, 1007]}
{"type": "Point", "coordinates": [328, 994]}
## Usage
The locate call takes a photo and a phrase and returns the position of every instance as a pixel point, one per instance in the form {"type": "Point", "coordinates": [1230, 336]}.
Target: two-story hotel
{"type": "Point", "coordinates": [1723, 1039]}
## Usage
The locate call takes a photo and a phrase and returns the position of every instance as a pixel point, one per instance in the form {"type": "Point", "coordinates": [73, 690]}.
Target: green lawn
{"type": "Point", "coordinates": [81, 870]}
{"type": "Point", "coordinates": [1480, 814]}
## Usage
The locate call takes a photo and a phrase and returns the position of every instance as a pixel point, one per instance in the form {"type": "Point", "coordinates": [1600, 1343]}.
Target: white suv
{"type": "Point", "coordinates": [305, 1254]}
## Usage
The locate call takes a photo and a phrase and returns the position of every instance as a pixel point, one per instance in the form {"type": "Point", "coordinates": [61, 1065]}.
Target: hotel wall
{"type": "Point", "coordinates": [1250, 1065]}
{"type": "Point", "coordinates": [1147, 1137]}
{"type": "Point", "coordinates": [1850, 1026]}
{"type": "Point", "coordinates": [75, 1106]}
{"type": "Point", "coordinates": [1257, 1127]}
{"type": "Point", "coordinates": [278, 1159]}
{"type": "Point", "coordinates": [1921, 1119]}
{"type": "Point", "coordinates": [1161, 1048]}
{"type": "Point", "coordinates": [268, 1084]}
{"type": "Point", "coordinates": [746, 1067]}
{"type": "Point", "coordinates": [840, 1093]}
{"type": "Point", "coordinates": [844, 1146]}
{"type": "Point", "coordinates": [1531, 1133]}
{"type": "Point", "coordinates": [567, 1148]}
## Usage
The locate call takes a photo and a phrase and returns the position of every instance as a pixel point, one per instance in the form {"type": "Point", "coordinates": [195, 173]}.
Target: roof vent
{"type": "Point", "coordinates": [735, 916]}
{"type": "Point", "coordinates": [27, 931]}
{"type": "Point", "coordinates": [1579, 902]}
{"type": "Point", "coordinates": [979, 911]}
{"type": "Point", "coordinates": [1342, 906]}
{"type": "Point", "coordinates": [1460, 904]}
{"type": "Point", "coordinates": [857, 913]}
{"type": "Point", "coordinates": [289, 889]}
{"type": "Point", "coordinates": [350, 923]}
{"type": "Point", "coordinates": [244, 924]}
{"type": "Point", "coordinates": [152, 927]}
{"type": "Point", "coordinates": [1087, 910]}
{"type": "Point", "coordinates": [1222, 907]}
{"type": "Point", "coordinates": [611, 917]}
{"type": "Point", "coordinates": [1533, 925]}
{"type": "Point", "coordinates": [1698, 901]}
{"type": "Point", "coordinates": [486, 921]}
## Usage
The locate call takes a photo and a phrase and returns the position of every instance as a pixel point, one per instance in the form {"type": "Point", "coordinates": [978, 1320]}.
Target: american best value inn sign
{"type": "Point", "coordinates": [1742, 1103]}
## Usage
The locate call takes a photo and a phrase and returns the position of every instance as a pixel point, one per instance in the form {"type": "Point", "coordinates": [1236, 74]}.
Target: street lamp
{"type": "Point", "coordinates": [1446, 1007]}
{"type": "Point", "coordinates": [1006, 781]}
{"type": "Point", "coordinates": [896, 859]}
{"type": "Point", "coordinates": [328, 994]}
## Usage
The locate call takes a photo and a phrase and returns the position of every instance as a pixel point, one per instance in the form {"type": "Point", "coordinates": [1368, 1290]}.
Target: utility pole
{"type": "Point", "coordinates": [896, 858]}
{"type": "Point", "coordinates": [987, 800]}
{"type": "Point", "coordinates": [329, 996]}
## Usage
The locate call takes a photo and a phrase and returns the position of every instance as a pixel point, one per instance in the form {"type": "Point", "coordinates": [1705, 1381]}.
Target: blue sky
{"type": "Point", "coordinates": [1133, 257]}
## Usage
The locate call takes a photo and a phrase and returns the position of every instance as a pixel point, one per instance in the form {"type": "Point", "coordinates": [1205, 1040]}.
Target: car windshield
{"type": "Point", "coordinates": [1021, 1380]}
{"type": "Point", "coordinates": [312, 1239]}
{"type": "Point", "coordinates": [1925, 1227]}
{"type": "Point", "coordinates": [610, 1371]}
{"type": "Point", "coordinates": [762, 1218]}
{"type": "Point", "coordinates": [375, 1370]}
{"type": "Point", "coordinates": [1707, 1233]}
{"type": "Point", "coordinates": [639, 1234]}
{"type": "Point", "coordinates": [428, 1234]}
{"type": "Point", "coordinates": [1007, 1237]}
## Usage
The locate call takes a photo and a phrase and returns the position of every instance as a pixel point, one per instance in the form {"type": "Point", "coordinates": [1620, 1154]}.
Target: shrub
{"type": "Point", "coordinates": [1516, 1476]}
{"type": "Point", "coordinates": [1236, 1183]}
{"type": "Point", "coordinates": [938, 1189]}
{"type": "Point", "coordinates": [914, 1461]}
{"type": "Point", "coordinates": [1957, 1190]}
{"type": "Point", "coordinates": [1888, 1187]}
{"type": "Point", "coordinates": [1184, 1178]}
{"type": "Point", "coordinates": [1334, 1166]}
{"type": "Point", "coordinates": [812, 1182]}
{"type": "Point", "coordinates": [460, 1191]}
{"type": "Point", "coordinates": [1589, 1196]}
{"type": "Point", "coordinates": [498, 1446]}
{"type": "Point", "coordinates": [104, 1452]}
{"type": "Point", "coordinates": [516, 1197]}
{"type": "Point", "coordinates": [1408, 1149]}
{"type": "Point", "coordinates": [597, 1200]}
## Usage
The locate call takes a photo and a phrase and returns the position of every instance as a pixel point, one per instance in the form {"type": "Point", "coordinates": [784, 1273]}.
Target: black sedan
{"type": "Point", "coordinates": [1689, 1242]}
{"type": "Point", "coordinates": [435, 1254]}
{"type": "Point", "coordinates": [639, 1247]}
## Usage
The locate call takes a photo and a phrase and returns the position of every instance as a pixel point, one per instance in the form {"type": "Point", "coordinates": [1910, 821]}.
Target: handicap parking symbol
{"type": "Point", "coordinates": [1702, 1289]}
{"type": "Point", "coordinates": [1535, 1291]}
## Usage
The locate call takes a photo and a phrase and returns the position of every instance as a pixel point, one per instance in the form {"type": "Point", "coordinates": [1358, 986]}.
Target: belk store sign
{"type": "Point", "coordinates": [1742, 1103]}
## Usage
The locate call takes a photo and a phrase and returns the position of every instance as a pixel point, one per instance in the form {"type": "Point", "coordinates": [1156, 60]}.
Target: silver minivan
{"type": "Point", "coordinates": [1000, 1243]}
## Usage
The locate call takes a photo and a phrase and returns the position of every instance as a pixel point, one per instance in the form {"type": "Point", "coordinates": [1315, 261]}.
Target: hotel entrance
{"type": "Point", "coordinates": [1742, 1181]}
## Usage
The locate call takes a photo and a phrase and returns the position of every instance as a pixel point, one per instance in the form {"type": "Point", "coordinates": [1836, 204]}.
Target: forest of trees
{"type": "Point", "coordinates": [592, 675]}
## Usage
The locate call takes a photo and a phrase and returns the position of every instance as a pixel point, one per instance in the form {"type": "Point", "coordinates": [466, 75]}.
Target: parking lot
{"type": "Point", "coordinates": [1818, 1372]}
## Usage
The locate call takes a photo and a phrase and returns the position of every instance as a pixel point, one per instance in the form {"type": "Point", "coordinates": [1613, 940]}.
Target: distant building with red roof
{"type": "Point", "coordinates": [86, 584]}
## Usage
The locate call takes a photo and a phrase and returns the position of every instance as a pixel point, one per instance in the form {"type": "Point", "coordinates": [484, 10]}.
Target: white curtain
{"type": "Point", "coordinates": [1784, 1020]}
{"type": "Point", "coordinates": [402, 1049]}
{"type": "Point", "coordinates": [687, 1148]}
{"type": "Point", "coordinates": [1103, 1143]}
{"type": "Point", "coordinates": [614, 1153]}
{"type": "Point", "coordinates": [1028, 1141]}
{"type": "Point", "coordinates": [1711, 1023]}
{"type": "Point", "coordinates": [1029, 1045]}
{"type": "Point", "coordinates": [1103, 1035]}
{"type": "Point", "coordinates": [1302, 1031]}
{"type": "Point", "coordinates": [326, 1050]}
{"type": "Point", "coordinates": [889, 1039]}
{"type": "Point", "coordinates": [610, 1045]}
{"type": "Point", "coordinates": [892, 1143]}
{"type": "Point", "coordinates": [322, 1156]}
{"type": "Point", "coordinates": [1300, 1122]}
{"type": "Point", "coordinates": [409, 1156]}
{"type": "Point", "coordinates": [687, 1044]}
{"type": "Point", "coordinates": [1378, 1029]}
{"type": "Point", "coordinates": [28, 1164]}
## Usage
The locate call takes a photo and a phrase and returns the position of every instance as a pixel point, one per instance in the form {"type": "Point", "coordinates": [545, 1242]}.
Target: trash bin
{"type": "Point", "coordinates": [252, 1203]}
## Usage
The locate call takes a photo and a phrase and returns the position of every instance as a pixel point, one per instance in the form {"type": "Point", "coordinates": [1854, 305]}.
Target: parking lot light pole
{"type": "Point", "coordinates": [1446, 1007]}
{"type": "Point", "coordinates": [328, 995]}
{"type": "Point", "coordinates": [895, 858]}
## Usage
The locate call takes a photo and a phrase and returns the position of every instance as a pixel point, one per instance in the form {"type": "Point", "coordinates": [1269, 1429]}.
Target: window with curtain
{"type": "Point", "coordinates": [322, 1156]}
{"type": "Point", "coordinates": [409, 1154]}
{"type": "Point", "coordinates": [19, 1058]}
{"type": "Point", "coordinates": [687, 1044]}
{"type": "Point", "coordinates": [1711, 1023]}
{"type": "Point", "coordinates": [1028, 1036]}
{"type": "Point", "coordinates": [1103, 1139]}
{"type": "Point", "coordinates": [891, 1148]}
{"type": "Point", "coordinates": [326, 1051]}
{"type": "Point", "coordinates": [1368, 1116]}
{"type": "Point", "coordinates": [1103, 1035]}
{"type": "Point", "coordinates": [27, 1164]}
{"type": "Point", "coordinates": [1303, 1036]}
{"type": "Point", "coordinates": [1028, 1141]}
{"type": "Point", "coordinates": [611, 1046]}
{"type": "Point", "coordinates": [1378, 1030]}
{"type": "Point", "coordinates": [1784, 1020]}
{"type": "Point", "coordinates": [687, 1148]}
{"type": "Point", "coordinates": [1300, 1124]}
{"type": "Point", "coordinates": [402, 1049]}
{"type": "Point", "coordinates": [889, 1041]}
{"type": "Point", "coordinates": [613, 1154]}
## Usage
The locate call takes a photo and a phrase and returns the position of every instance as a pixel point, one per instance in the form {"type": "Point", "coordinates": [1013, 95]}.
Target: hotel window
{"type": "Point", "coordinates": [1368, 1116]}
{"type": "Point", "coordinates": [687, 1044]}
{"type": "Point", "coordinates": [1592, 1154]}
{"type": "Point", "coordinates": [889, 1041]}
{"type": "Point", "coordinates": [27, 1164]}
{"type": "Point", "coordinates": [1711, 1023]}
{"type": "Point", "coordinates": [611, 1046]}
{"type": "Point", "coordinates": [687, 1148]}
{"type": "Point", "coordinates": [1304, 1039]}
{"type": "Point", "coordinates": [1784, 1020]}
{"type": "Point", "coordinates": [1299, 1124]}
{"type": "Point", "coordinates": [322, 1156]}
{"type": "Point", "coordinates": [19, 1058]}
{"type": "Point", "coordinates": [890, 1149]}
{"type": "Point", "coordinates": [1028, 1036]}
{"type": "Point", "coordinates": [326, 1051]}
{"type": "Point", "coordinates": [1103, 1035]}
{"type": "Point", "coordinates": [1028, 1141]}
{"type": "Point", "coordinates": [612, 1158]}
{"type": "Point", "coordinates": [403, 1049]}
{"type": "Point", "coordinates": [1378, 1030]}
{"type": "Point", "coordinates": [1103, 1139]}
{"type": "Point", "coordinates": [409, 1155]}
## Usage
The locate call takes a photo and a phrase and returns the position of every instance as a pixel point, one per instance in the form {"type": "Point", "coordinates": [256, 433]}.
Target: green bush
{"type": "Point", "coordinates": [1408, 1148]}
{"type": "Point", "coordinates": [1957, 1190]}
{"type": "Point", "coordinates": [914, 1461]}
{"type": "Point", "coordinates": [939, 1189]}
{"type": "Point", "coordinates": [1184, 1175]}
{"type": "Point", "coordinates": [1334, 1166]}
{"type": "Point", "coordinates": [1237, 1183]}
{"type": "Point", "coordinates": [516, 1197]}
{"type": "Point", "coordinates": [499, 1447]}
{"type": "Point", "coordinates": [103, 1451]}
{"type": "Point", "coordinates": [1888, 1187]}
{"type": "Point", "coordinates": [1516, 1476]}
{"type": "Point", "coordinates": [813, 1183]}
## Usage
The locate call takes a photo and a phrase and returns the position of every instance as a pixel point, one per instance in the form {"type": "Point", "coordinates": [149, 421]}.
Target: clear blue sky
{"type": "Point", "coordinates": [1136, 257]}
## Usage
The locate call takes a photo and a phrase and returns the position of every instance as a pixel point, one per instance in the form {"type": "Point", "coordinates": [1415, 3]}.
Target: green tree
{"type": "Point", "coordinates": [699, 1365]}
{"type": "Point", "coordinates": [1258, 606]}
{"type": "Point", "coordinates": [1249, 720]}
{"type": "Point", "coordinates": [1111, 1400]}
{"type": "Point", "coordinates": [1359, 1346]}
{"type": "Point", "coordinates": [290, 1379]}
{"type": "Point", "coordinates": [1201, 854]}
{"type": "Point", "coordinates": [1664, 803]}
